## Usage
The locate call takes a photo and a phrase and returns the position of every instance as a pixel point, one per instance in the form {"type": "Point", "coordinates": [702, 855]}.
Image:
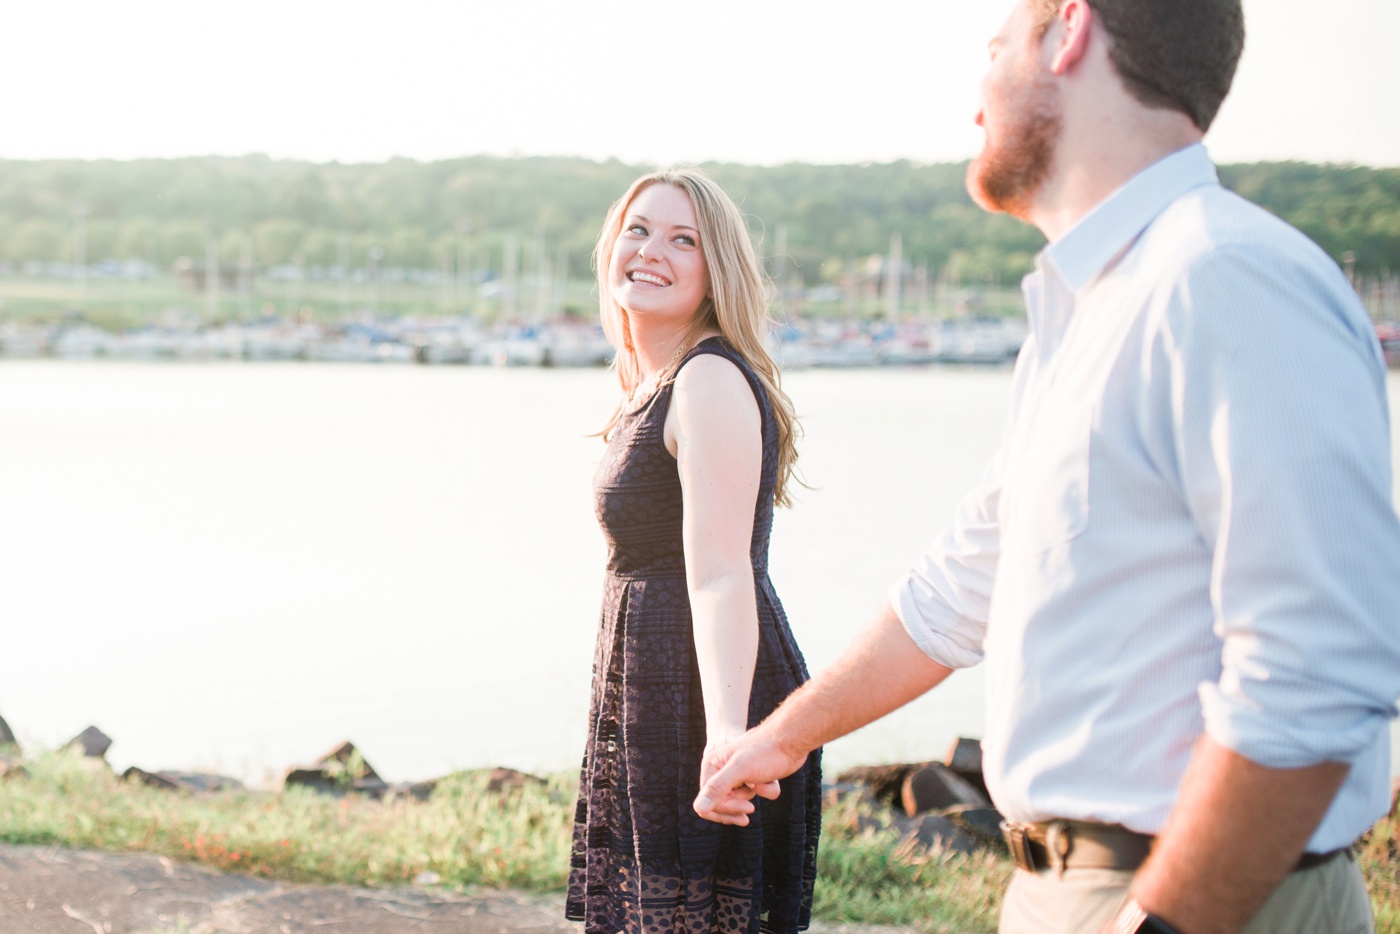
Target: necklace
{"type": "Point", "coordinates": [649, 385]}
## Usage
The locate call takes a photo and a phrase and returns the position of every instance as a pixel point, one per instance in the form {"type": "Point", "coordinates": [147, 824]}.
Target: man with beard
{"type": "Point", "coordinates": [1180, 568]}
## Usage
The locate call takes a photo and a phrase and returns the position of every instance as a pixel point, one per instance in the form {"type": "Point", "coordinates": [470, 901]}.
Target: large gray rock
{"type": "Point", "coordinates": [183, 781]}
{"type": "Point", "coordinates": [883, 781]}
{"type": "Point", "coordinates": [982, 823]}
{"type": "Point", "coordinates": [931, 833]}
{"type": "Point", "coordinates": [7, 738]}
{"type": "Point", "coordinates": [92, 741]}
{"type": "Point", "coordinates": [931, 810]}
{"type": "Point", "coordinates": [934, 787]}
{"type": "Point", "coordinates": [965, 758]}
{"type": "Point", "coordinates": [350, 758]}
{"type": "Point", "coordinates": [421, 790]}
{"type": "Point", "coordinates": [332, 782]}
{"type": "Point", "coordinates": [502, 780]}
{"type": "Point", "coordinates": [341, 770]}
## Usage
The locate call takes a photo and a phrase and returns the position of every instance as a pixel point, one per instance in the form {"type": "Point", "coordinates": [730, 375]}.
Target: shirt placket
{"type": "Point", "coordinates": [1050, 307]}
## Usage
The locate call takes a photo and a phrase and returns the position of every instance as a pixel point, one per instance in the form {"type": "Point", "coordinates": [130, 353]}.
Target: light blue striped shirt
{"type": "Point", "coordinates": [1189, 525]}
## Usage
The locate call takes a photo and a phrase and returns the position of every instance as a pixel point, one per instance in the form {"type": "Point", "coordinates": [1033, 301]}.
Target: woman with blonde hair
{"type": "Point", "coordinates": [693, 645]}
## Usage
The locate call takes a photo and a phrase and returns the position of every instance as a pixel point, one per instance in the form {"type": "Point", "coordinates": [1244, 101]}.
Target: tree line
{"type": "Point", "coordinates": [475, 210]}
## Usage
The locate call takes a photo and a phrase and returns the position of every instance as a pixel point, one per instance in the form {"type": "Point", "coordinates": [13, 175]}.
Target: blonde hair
{"type": "Point", "coordinates": [737, 305]}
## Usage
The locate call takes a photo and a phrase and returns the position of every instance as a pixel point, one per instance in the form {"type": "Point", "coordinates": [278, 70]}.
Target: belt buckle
{"type": "Point", "coordinates": [1019, 842]}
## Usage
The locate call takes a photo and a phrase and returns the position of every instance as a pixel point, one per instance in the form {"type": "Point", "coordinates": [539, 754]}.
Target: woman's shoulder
{"type": "Point", "coordinates": [717, 347]}
{"type": "Point", "coordinates": [713, 345]}
{"type": "Point", "coordinates": [714, 374]}
{"type": "Point", "coordinates": [715, 354]}
{"type": "Point", "coordinates": [711, 361]}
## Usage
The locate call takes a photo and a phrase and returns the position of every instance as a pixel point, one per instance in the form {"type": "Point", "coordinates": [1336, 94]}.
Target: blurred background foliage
{"type": "Point", "coordinates": [261, 212]}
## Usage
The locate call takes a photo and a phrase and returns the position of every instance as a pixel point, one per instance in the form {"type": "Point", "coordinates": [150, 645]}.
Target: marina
{"type": "Point", "coordinates": [466, 340]}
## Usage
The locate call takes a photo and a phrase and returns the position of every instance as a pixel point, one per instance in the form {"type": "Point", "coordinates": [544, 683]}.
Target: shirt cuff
{"type": "Point", "coordinates": [936, 629]}
{"type": "Point", "coordinates": [1289, 739]}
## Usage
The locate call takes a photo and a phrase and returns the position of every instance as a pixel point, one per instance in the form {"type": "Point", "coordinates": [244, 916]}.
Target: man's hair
{"type": "Point", "coordinates": [1174, 54]}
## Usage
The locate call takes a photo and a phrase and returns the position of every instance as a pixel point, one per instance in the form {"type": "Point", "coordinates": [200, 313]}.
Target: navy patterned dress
{"type": "Point", "coordinates": [643, 861]}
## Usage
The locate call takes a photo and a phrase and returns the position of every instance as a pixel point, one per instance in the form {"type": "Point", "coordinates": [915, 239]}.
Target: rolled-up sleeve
{"type": "Point", "coordinates": [944, 600]}
{"type": "Point", "coordinates": [1283, 447]}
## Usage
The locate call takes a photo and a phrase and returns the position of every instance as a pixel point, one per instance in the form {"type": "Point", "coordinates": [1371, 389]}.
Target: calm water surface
{"type": "Point", "coordinates": [237, 566]}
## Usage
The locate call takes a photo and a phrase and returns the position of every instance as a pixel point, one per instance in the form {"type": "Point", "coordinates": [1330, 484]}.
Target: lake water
{"type": "Point", "coordinates": [235, 566]}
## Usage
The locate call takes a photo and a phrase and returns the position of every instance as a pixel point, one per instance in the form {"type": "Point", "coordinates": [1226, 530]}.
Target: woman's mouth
{"type": "Point", "coordinates": [647, 278]}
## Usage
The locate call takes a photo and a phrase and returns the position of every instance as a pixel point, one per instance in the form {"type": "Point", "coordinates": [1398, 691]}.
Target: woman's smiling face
{"type": "Point", "coordinates": [657, 266]}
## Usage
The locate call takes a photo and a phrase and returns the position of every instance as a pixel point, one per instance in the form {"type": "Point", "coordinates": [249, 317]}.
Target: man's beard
{"type": "Point", "coordinates": [1009, 171]}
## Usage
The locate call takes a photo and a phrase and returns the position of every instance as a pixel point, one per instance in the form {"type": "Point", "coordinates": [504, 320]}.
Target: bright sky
{"type": "Point", "coordinates": [757, 81]}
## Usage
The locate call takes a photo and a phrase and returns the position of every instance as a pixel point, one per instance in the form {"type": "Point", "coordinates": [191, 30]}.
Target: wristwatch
{"type": "Point", "coordinates": [1133, 919]}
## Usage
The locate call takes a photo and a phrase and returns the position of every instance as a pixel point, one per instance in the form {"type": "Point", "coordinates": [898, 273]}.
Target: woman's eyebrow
{"type": "Point", "coordinates": [643, 217]}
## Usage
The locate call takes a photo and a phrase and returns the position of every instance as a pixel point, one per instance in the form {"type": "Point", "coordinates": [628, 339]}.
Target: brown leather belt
{"type": "Point", "coordinates": [1072, 844]}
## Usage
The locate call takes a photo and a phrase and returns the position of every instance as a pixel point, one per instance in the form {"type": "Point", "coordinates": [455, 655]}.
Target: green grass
{"type": "Point", "coordinates": [465, 835]}
{"type": "Point", "coordinates": [862, 878]}
{"type": "Point", "coordinates": [471, 838]}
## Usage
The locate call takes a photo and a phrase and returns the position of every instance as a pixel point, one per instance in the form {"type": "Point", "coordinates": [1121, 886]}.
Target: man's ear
{"type": "Point", "coordinates": [1068, 37]}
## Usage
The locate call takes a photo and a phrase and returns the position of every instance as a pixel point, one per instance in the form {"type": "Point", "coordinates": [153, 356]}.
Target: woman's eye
{"type": "Point", "coordinates": [637, 229]}
{"type": "Point", "coordinates": [686, 239]}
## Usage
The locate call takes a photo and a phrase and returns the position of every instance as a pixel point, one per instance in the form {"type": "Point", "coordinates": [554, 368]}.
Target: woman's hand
{"type": "Point", "coordinates": [732, 773]}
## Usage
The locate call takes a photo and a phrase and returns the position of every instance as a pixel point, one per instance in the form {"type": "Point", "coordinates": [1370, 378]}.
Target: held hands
{"type": "Point", "coordinates": [733, 772]}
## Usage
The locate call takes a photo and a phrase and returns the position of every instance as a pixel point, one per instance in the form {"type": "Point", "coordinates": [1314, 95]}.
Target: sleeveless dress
{"type": "Point", "coordinates": [643, 862]}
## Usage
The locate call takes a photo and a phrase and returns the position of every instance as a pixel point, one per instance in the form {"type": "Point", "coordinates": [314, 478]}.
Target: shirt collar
{"type": "Point", "coordinates": [1102, 234]}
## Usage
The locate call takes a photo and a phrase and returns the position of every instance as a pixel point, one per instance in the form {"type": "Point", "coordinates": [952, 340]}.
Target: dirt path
{"type": "Point", "coordinates": [46, 890]}
{"type": "Point", "coordinates": [55, 891]}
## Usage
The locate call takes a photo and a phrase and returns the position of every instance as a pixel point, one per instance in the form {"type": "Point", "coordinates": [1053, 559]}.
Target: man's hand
{"type": "Point", "coordinates": [733, 774]}
{"type": "Point", "coordinates": [881, 670]}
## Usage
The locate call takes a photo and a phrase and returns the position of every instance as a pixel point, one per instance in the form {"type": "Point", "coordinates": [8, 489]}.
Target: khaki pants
{"type": "Point", "coordinates": [1327, 899]}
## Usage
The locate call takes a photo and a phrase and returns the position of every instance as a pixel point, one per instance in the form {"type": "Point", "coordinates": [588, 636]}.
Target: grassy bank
{"type": "Point", "coordinates": [469, 837]}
